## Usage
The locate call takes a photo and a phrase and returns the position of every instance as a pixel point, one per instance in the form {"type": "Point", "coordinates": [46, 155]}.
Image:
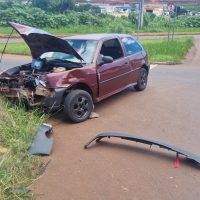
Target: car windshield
{"type": "Point", "coordinates": [85, 48]}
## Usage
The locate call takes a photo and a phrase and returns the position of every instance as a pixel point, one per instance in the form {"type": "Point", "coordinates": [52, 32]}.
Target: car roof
{"type": "Point", "coordinates": [95, 36]}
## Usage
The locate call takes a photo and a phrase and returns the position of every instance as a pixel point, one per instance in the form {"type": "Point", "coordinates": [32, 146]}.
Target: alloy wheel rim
{"type": "Point", "coordinates": [81, 106]}
{"type": "Point", "coordinates": [143, 79]}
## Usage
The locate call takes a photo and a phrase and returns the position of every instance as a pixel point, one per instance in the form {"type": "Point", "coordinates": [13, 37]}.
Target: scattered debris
{"type": "Point", "coordinates": [94, 115]}
{"type": "Point", "coordinates": [42, 142]}
{"type": "Point", "coordinates": [43, 168]}
{"type": "Point", "coordinates": [148, 141]}
{"type": "Point", "coordinates": [22, 190]}
{"type": "Point", "coordinates": [177, 161]}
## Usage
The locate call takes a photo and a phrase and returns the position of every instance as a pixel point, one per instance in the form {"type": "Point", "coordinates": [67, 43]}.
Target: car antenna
{"type": "Point", "coordinates": [6, 44]}
{"type": "Point", "coordinates": [9, 38]}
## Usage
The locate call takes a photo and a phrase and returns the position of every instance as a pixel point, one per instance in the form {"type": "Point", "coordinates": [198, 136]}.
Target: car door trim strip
{"type": "Point", "coordinates": [118, 76]}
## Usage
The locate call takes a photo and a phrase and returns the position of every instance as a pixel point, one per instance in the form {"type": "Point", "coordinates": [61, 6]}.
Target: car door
{"type": "Point", "coordinates": [134, 55]}
{"type": "Point", "coordinates": [113, 76]}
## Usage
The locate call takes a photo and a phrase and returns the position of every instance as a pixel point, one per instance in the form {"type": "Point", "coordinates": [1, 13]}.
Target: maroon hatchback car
{"type": "Point", "coordinates": [75, 72]}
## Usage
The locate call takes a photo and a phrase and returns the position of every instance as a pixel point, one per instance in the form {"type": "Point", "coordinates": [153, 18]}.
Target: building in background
{"type": "Point", "coordinates": [124, 7]}
{"type": "Point", "coordinates": [156, 9]}
{"type": "Point", "coordinates": [111, 6]}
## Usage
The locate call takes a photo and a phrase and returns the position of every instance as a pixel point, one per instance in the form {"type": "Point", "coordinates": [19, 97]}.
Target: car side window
{"type": "Point", "coordinates": [112, 48]}
{"type": "Point", "coordinates": [131, 45]}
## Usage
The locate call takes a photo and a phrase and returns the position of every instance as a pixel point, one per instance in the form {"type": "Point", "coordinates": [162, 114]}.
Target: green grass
{"type": "Point", "coordinates": [6, 30]}
{"type": "Point", "coordinates": [64, 31]}
{"type": "Point", "coordinates": [188, 30]}
{"type": "Point", "coordinates": [165, 30]}
{"type": "Point", "coordinates": [17, 168]}
{"type": "Point", "coordinates": [158, 50]}
{"type": "Point", "coordinates": [78, 30]}
{"type": "Point", "coordinates": [172, 52]}
{"type": "Point", "coordinates": [91, 29]}
{"type": "Point", "coordinates": [16, 48]}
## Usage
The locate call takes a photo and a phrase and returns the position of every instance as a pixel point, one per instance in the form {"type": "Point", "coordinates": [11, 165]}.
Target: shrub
{"type": "Point", "coordinates": [39, 18]}
{"type": "Point", "coordinates": [94, 21]}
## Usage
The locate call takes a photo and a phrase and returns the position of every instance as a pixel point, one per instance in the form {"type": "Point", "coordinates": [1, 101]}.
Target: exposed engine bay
{"type": "Point", "coordinates": [44, 65]}
{"type": "Point", "coordinates": [31, 75]}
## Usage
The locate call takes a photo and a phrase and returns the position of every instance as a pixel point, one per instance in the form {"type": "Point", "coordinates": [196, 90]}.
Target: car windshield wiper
{"type": "Point", "coordinates": [65, 61]}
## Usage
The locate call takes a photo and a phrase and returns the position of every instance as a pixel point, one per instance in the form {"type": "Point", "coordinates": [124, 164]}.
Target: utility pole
{"type": "Point", "coordinates": [141, 13]}
{"type": "Point", "coordinates": [140, 17]}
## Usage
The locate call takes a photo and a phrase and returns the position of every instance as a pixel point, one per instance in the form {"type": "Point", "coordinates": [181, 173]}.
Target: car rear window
{"type": "Point", "coordinates": [131, 45]}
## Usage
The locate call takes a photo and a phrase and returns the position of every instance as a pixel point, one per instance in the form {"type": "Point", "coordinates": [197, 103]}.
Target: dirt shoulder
{"type": "Point", "coordinates": [193, 57]}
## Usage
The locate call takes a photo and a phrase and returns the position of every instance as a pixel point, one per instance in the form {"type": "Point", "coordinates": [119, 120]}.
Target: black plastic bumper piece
{"type": "Point", "coordinates": [42, 143]}
{"type": "Point", "coordinates": [148, 141]}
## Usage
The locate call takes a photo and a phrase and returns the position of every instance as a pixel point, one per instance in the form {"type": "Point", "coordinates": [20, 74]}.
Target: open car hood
{"type": "Point", "coordinates": [41, 42]}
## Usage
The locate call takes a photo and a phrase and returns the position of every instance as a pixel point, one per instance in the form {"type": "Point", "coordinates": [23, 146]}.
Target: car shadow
{"type": "Point", "coordinates": [115, 98]}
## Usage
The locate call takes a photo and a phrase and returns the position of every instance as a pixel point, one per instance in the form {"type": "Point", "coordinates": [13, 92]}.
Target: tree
{"type": "Point", "coordinates": [40, 4]}
{"type": "Point", "coordinates": [10, 3]}
{"type": "Point", "coordinates": [88, 7]}
{"type": "Point", "coordinates": [6, 4]}
{"type": "Point", "coordinates": [54, 5]}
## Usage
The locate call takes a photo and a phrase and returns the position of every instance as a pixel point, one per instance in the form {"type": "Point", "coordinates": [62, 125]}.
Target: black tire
{"type": "Point", "coordinates": [78, 105]}
{"type": "Point", "coordinates": [142, 81]}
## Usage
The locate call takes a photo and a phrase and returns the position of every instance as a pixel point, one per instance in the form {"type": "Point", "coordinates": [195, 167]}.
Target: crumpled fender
{"type": "Point", "coordinates": [68, 78]}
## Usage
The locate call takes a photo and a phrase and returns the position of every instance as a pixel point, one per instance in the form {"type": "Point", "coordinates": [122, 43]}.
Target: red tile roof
{"type": "Point", "coordinates": [135, 1]}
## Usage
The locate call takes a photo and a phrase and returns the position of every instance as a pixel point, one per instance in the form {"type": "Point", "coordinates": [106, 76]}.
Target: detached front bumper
{"type": "Point", "coordinates": [42, 96]}
{"type": "Point", "coordinates": [24, 93]}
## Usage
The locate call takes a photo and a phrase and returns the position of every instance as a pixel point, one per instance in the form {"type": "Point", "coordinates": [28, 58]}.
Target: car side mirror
{"type": "Point", "coordinates": [107, 59]}
{"type": "Point", "coordinates": [104, 60]}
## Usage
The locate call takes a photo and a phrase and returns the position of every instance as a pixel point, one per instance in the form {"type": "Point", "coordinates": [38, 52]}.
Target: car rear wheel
{"type": "Point", "coordinates": [142, 81]}
{"type": "Point", "coordinates": [78, 105]}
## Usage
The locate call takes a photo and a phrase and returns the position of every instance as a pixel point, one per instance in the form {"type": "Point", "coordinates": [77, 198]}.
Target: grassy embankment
{"type": "Point", "coordinates": [159, 50]}
{"type": "Point", "coordinates": [91, 29]}
{"type": "Point", "coordinates": [173, 52]}
{"type": "Point", "coordinates": [5, 31]}
{"type": "Point", "coordinates": [17, 168]}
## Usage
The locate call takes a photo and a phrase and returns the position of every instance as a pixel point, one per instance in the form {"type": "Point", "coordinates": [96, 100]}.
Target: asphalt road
{"type": "Point", "coordinates": [168, 110]}
{"type": "Point", "coordinates": [13, 60]}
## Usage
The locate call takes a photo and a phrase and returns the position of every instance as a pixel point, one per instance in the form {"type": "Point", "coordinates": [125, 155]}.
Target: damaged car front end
{"type": "Point", "coordinates": [40, 83]}
{"type": "Point", "coordinates": [34, 87]}
{"type": "Point", "coordinates": [23, 85]}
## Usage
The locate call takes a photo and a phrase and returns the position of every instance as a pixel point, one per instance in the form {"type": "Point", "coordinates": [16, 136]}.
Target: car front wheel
{"type": "Point", "coordinates": [142, 81]}
{"type": "Point", "coordinates": [78, 105]}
